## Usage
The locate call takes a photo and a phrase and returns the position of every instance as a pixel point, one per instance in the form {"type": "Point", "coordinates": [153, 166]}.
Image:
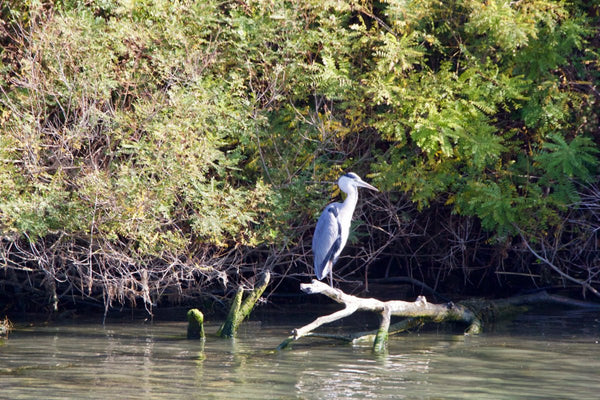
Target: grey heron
{"type": "Point", "coordinates": [333, 226]}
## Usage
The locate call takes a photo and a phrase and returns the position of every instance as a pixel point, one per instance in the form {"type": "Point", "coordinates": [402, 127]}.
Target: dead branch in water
{"type": "Point", "coordinates": [473, 312]}
{"type": "Point", "coordinates": [419, 308]}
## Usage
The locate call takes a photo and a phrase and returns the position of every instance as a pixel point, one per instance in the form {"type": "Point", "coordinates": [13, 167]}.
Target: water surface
{"type": "Point", "coordinates": [538, 356]}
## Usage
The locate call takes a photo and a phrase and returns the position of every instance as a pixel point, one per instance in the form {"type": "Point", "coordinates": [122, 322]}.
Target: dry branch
{"type": "Point", "coordinates": [585, 284]}
{"type": "Point", "coordinates": [419, 309]}
{"type": "Point", "coordinates": [473, 312]}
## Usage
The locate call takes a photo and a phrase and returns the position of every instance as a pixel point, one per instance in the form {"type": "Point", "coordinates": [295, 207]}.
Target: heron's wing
{"type": "Point", "coordinates": [326, 240]}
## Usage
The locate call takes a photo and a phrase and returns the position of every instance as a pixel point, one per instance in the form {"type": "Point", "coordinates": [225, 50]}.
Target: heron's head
{"type": "Point", "coordinates": [350, 181]}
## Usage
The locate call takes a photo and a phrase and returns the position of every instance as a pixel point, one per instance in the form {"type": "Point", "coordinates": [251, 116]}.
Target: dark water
{"type": "Point", "coordinates": [538, 356]}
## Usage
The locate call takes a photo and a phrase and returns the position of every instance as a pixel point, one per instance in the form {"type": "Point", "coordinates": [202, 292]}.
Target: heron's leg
{"type": "Point", "coordinates": [331, 276]}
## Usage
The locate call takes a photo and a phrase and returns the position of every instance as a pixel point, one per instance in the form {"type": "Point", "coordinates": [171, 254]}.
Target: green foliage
{"type": "Point", "coordinates": [563, 163]}
{"type": "Point", "coordinates": [464, 126]}
{"type": "Point", "coordinates": [165, 127]}
{"type": "Point", "coordinates": [122, 127]}
{"type": "Point", "coordinates": [497, 206]}
{"type": "Point", "coordinates": [577, 159]}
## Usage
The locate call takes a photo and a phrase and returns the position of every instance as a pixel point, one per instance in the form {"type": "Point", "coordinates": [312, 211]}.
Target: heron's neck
{"type": "Point", "coordinates": [349, 204]}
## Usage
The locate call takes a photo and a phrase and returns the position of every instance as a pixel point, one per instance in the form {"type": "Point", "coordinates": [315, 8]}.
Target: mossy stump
{"type": "Point", "coordinates": [240, 311]}
{"type": "Point", "coordinates": [195, 324]}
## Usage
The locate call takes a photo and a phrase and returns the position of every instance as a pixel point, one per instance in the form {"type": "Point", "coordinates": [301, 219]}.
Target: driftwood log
{"type": "Point", "coordinates": [473, 313]}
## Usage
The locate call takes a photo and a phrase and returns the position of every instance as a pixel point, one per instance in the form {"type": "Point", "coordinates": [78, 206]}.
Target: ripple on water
{"type": "Point", "coordinates": [535, 357]}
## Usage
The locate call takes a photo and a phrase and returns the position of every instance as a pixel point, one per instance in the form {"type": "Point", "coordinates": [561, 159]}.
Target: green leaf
{"type": "Point", "coordinates": [576, 159]}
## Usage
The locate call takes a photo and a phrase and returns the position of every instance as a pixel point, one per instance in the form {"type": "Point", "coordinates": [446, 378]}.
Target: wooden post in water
{"type": "Point", "coordinates": [382, 335]}
{"type": "Point", "coordinates": [195, 324]}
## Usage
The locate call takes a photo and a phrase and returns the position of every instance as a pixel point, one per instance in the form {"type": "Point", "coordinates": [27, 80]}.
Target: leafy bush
{"type": "Point", "coordinates": [164, 144]}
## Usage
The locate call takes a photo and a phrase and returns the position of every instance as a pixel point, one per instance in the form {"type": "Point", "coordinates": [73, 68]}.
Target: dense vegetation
{"type": "Point", "coordinates": [161, 149]}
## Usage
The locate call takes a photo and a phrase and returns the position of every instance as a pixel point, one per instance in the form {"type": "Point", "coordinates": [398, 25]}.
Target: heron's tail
{"type": "Point", "coordinates": [322, 271]}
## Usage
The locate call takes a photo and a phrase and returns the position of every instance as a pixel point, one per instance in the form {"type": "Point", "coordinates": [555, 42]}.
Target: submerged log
{"type": "Point", "coordinates": [472, 312]}
{"type": "Point", "coordinates": [239, 311]}
{"type": "Point", "coordinates": [488, 311]}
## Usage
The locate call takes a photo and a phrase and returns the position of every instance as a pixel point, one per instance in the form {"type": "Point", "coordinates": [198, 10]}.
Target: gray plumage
{"type": "Point", "coordinates": [333, 226]}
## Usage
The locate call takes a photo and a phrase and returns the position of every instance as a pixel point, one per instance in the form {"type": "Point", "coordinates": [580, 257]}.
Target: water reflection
{"type": "Point", "coordinates": [536, 357]}
{"type": "Point", "coordinates": [343, 372]}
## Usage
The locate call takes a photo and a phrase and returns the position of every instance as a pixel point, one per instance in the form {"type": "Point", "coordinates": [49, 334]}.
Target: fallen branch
{"type": "Point", "coordinates": [472, 312]}
{"type": "Point", "coordinates": [419, 309]}
{"type": "Point", "coordinates": [355, 337]}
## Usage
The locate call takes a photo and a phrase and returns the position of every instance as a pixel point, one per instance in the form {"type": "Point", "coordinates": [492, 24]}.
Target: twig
{"type": "Point", "coordinates": [557, 270]}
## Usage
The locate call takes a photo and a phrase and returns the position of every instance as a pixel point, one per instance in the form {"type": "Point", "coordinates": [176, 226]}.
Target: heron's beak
{"type": "Point", "coordinates": [366, 185]}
